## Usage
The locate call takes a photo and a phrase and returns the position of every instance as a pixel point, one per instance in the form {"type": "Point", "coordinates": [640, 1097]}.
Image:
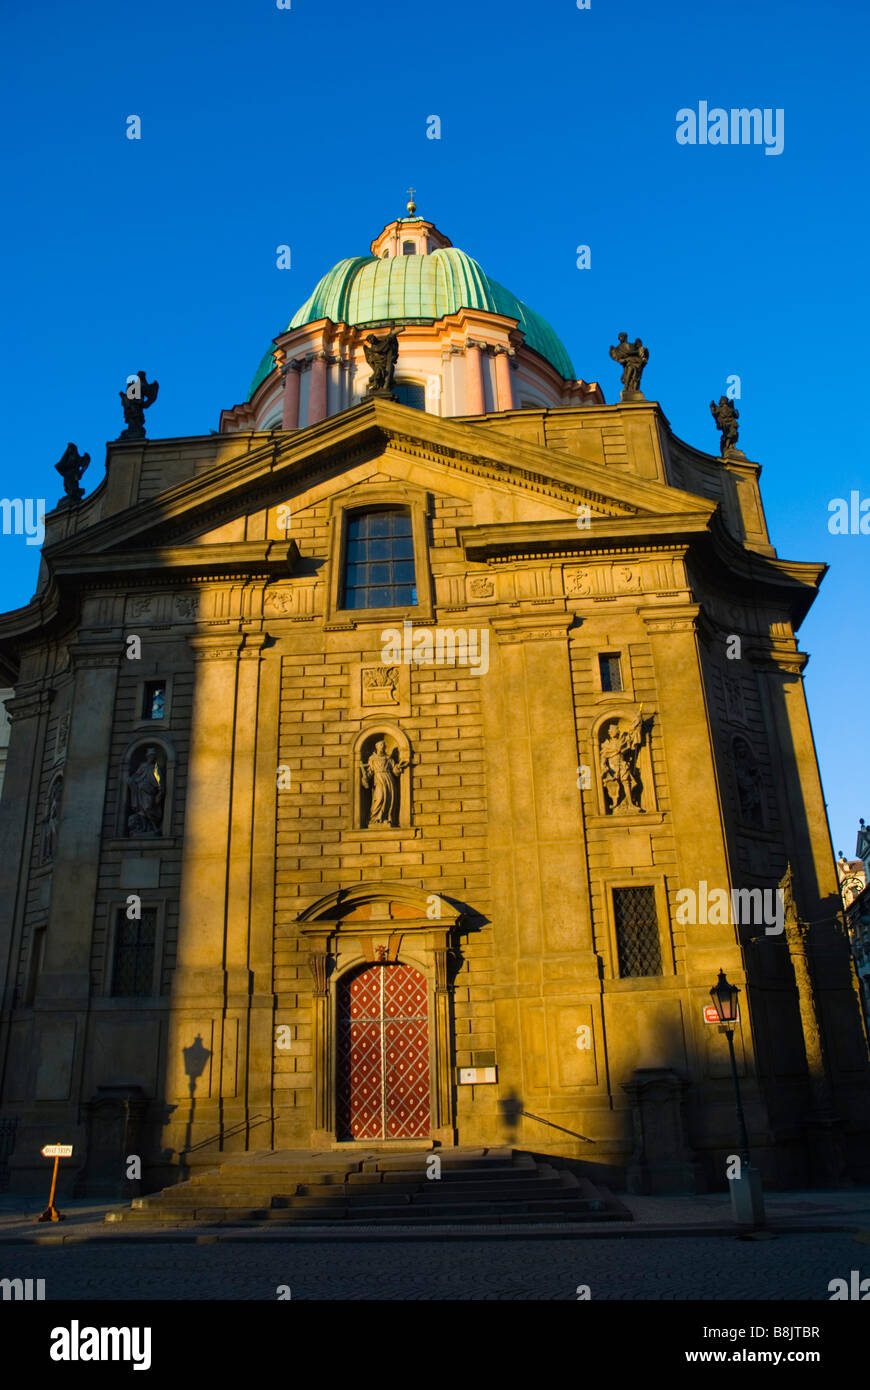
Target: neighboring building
{"type": "Point", "coordinates": [855, 889]}
{"type": "Point", "coordinates": [372, 765]}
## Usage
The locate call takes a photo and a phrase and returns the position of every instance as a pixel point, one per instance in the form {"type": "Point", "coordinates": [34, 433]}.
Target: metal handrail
{"type": "Point", "coordinates": [228, 1133]}
{"type": "Point", "coordinates": [529, 1116]}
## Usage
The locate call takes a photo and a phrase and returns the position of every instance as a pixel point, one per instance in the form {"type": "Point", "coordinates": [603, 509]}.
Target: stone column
{"type": "Point", "coordinates": [443, 1079]}
{"type": "Point", "coordinates": [474, 396]}
{"type": "Point", "coordinates": [201, 983]}
{"type": "Point", "coordinates": [62, 999]}
{"type": "Point", "coordinates": [318, 962]}
{"type": "Point", "coordinates": [503, 383]}
{"type": "Point", "coordinates": [682, 729]}
{"type": "Point", "coordinates": [290, 416]}
{"type": "Point", "coordinates": [240, 871]}
{"type": "Point", "coordinates": [80, 831]}
{"type": "Point", "coordinates": [317, 391]}
{"type": "Point", "coordinates": [28, 712]}
{"type": "Point", "coordinates": [261, 1038]}
{"type": "Point", "coordinates": [541, 910]}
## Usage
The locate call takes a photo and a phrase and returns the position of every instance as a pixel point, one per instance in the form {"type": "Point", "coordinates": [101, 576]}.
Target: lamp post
{"type": "Point", "coordinates": [747, 1202]}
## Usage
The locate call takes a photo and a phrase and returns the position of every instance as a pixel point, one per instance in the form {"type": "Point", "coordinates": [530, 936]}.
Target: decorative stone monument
{"type": "Point", "coordinates": [726, 416]}
{"type": "Point", "coordinates": [632, 357]}
{"type": "Point", "coordinates": [139, 395]}
{"type": "Point", "coordinates": [71, 467]}
{"type": "Point", "coordinates": [382, 355]}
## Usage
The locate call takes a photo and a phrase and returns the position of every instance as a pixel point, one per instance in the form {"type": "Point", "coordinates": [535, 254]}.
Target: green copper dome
{"type": "Point", "coordinates": [366, 289]}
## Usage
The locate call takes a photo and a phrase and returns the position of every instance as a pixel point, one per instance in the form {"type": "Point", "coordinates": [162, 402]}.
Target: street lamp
{"type": "Point", "coordinates": [747, 1202]}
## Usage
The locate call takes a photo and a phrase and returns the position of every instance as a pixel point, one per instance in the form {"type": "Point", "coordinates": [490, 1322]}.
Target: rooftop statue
{"type": "Point", "coordinates": [71, 467]}
{"type": "Point", "coordinates": [632, 357]}
{"type": "Point", "coordinates": [381, 355]}
{"type": "Point", "coordinates": [726, 416]}
{"type": "Point", "coordinates": [139, 394]}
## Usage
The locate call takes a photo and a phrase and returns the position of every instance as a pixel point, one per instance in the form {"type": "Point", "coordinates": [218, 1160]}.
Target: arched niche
{"type": "Point", "coordinates": [623, 773]}
{"type": "Point", "coordinates": [748, 782]}
{"type": "Point", "coordinates": [146, 787]}
{"type": "Point", "coordinates": [381, 770]}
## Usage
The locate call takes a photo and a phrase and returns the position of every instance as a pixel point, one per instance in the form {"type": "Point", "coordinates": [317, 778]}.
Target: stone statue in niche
{"type": "Point", "coordinates": [52, 819]}
{"type": "Point", "coordinates": [379, 775]}
{"type": "Point", "coordinates": [145, 796]}
{"type": "Point", "coordinates": [620, 779]}
{"type": "Point", "coordinates": [748, 780]}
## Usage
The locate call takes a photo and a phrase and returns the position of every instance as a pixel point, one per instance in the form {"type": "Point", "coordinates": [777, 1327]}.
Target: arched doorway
{"type": "Point", "coordinates": [383, 1089]}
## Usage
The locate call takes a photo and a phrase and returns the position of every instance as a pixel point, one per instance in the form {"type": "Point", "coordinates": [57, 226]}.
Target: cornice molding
{"type": "Point", "coordinates": [29, 704]}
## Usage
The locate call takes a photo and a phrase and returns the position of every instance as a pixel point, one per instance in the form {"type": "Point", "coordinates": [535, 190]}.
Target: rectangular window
{"type": "Point", "coordinates": [135, 944]}
{"type": "Point", "coordinates": [611, 671]}
{"type": "Point", "coordinates": [154, 700]}
{"type": "Point", "coordinates": [637, 932]}
{"type": "Point", "coordinates": [379, 561]}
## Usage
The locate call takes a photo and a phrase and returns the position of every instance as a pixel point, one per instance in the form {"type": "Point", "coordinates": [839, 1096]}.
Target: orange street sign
{"type": "Point", "coordinates": [57, 1151]}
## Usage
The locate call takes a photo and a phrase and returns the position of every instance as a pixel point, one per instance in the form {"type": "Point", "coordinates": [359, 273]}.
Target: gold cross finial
{"type": "Point", "coordinates": [412, 206]}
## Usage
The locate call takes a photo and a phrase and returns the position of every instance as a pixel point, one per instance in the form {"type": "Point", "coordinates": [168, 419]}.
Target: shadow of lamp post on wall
{"type": "Point", "coordinates": [747, 1201]}
{"type": "Point", "coordinates": [196, 1058]}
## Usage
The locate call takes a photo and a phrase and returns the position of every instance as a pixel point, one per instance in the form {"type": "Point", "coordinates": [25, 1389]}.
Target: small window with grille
{"type": "Point", "coordinates": [409, 248]}
{"type": "Point", "coordinates": [637, 932]}
{"type": "Point", "coordinates": [611, 671]}
{"type": "Point", "coordinates": [135, 946]}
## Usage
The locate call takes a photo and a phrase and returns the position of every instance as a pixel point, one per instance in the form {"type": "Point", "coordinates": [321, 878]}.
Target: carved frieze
{"type": "Point", "coordinates": [621, 577]}
{"type": "Point", "coordinates": [186, 606]}
{"type": "Point", "coordinates": [481, 586]}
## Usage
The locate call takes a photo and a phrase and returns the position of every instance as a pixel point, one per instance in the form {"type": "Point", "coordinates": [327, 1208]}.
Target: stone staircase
{"type": "Point", "coordinates": [371, 1187]}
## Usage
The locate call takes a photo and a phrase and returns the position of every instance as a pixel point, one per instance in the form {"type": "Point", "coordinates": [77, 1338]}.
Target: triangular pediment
{"type": "Point", "coordinates": [378, 441]}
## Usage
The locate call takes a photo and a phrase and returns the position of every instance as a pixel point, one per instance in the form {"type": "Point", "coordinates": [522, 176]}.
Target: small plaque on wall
{"type": "Point", "coordinates": [476, 1076]}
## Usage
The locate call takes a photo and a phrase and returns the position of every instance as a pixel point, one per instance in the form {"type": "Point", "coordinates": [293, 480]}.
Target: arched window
{"type": "Point", "coordinates": [410, 393]}
{"type": "Point", "coordinates": [408, 248]}
{"type": "Point", "coordinates": [379, 560]}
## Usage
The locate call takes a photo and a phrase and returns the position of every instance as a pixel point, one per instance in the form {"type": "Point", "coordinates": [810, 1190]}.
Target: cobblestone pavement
{"type": "Point", "coordinates": [795, 1265]}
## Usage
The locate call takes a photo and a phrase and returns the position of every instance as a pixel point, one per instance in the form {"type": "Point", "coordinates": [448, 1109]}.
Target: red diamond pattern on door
{"type": "Point", "coordinates": [383, 1054]}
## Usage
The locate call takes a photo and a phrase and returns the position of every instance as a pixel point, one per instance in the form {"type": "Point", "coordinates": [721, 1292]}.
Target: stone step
{"type": "Point", "coordinates": [479, 1185]}
{"type": "Point", "coordinates": [377, 1187]}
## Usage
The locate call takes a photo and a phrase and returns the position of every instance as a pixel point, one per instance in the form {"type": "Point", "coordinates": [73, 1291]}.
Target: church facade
{"type": "Point", "coordinates": [402, 763]}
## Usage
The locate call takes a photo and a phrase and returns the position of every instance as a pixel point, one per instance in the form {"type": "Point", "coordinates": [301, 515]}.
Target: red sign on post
{"type": "Point", "coordinates": [711, 1015]}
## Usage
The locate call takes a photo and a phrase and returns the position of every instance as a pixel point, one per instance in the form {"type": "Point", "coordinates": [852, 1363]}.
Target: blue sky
{"type": "Point", "coordinates": [263, 127]}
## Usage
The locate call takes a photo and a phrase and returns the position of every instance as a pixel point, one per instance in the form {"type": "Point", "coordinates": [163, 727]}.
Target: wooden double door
{"type": "Point", "coordinates": [383, 1089]}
